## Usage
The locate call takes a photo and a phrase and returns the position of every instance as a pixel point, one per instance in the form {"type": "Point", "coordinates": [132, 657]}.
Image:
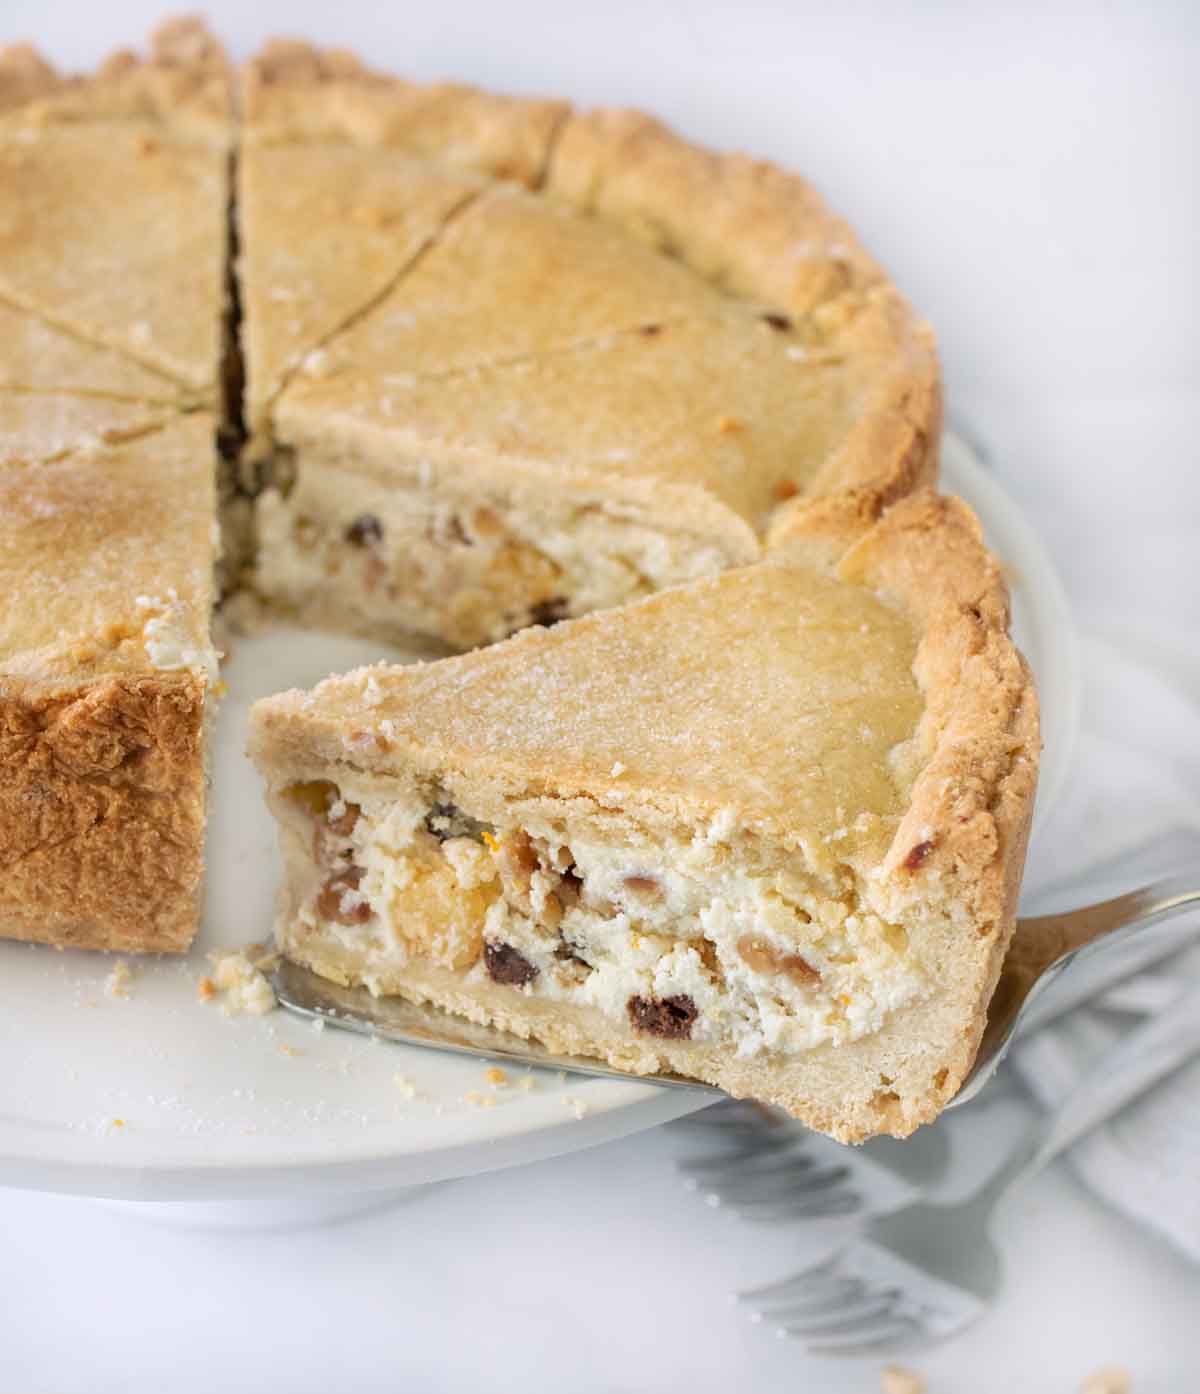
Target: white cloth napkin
{"type": "Point", "coordinates": [1134, 799]}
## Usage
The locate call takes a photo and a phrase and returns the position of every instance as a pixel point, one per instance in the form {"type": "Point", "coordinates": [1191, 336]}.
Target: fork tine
{"type": "Point", "coordinates": [779, 1185]}
{"type": "Point", "coordinates": [807, 1322]}
{"type": "Point", "coordinates": [807, 1280]}
{"type": "Point", "coordinates": [735, 1113]}
{"type": "Point", "coordinates": [758, 1162]}
{"type": "Point", "coordinates": [827, 1301]}
{"type": "Point", "coordinates": [840, 1203]}
{"type": "Point", "coordinates": [750, 1163]}
{"type": "Point", "coordinates": [904, 1330]}
{"type": "Point", "coordinates": [738, 1157]}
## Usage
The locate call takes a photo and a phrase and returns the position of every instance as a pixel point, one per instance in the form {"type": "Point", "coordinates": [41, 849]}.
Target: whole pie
{"type": "Point", "coordinates": [465, 366]}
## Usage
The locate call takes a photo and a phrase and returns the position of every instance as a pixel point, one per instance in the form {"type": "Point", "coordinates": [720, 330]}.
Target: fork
{"type": "Point", "coordinates": [775, 1170]}
{"type": "Point", "coordinates": [927, 1271]}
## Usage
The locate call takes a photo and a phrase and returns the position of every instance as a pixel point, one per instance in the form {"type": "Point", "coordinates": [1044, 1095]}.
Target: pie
{"type": "Point", "coordinates": [745, 795]}
{"type": "Point", "coordinates": [559, 834]}
{"type": "Point", "coordinates": [112, 295]}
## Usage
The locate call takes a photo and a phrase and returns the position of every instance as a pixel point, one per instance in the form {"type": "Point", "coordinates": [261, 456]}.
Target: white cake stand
{"type": "Point", "coordinates": [261, 1121]}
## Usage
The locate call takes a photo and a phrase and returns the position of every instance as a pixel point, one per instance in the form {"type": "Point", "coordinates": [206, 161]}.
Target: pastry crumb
{"type": "Point", "coordinates": [291, 1050]}
{"type": "Point", "coordinates": [896, 1379]}
{"type": "Point", "coordinates": [527, 1082]}
{"type": "Point", "coordinates": [478, 1100]}
{"type": "Point", "coordinates": [241, 982]}
{"type": "Point", "coordinates": [405, 1085]}
{"type": "Point", "coordinates": [496, 1077]}
{"type": "Point", "coordinates": [206, 990]}
{"type": "Point", "coordinates": [119, 981]}
{"type": "Point", "coordinates": [1109, 1379]}
{"type": "Point", "coordinates": [577, 1106]}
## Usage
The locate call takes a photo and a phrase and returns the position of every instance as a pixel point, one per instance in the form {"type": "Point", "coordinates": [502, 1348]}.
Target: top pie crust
{"type": "Point", "coordinates": [649, 229]}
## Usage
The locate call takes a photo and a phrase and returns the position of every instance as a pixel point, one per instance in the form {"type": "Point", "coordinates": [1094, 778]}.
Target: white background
{"type": "Point", "coordinates": [1028, 173]}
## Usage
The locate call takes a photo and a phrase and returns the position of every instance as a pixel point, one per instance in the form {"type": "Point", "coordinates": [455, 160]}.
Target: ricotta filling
{"type": "Point", "coordinates": [169, 638]}
{"type": "Point", "coordinates": [396, 560]}
{"type": "Point", "coordinates": [669, 943]}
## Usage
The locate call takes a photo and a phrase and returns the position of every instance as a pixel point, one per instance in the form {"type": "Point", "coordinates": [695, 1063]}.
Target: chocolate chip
{"type": "Point", "coordinates": [548, 612]}
{"type": "Point", "coordinates": [668, 1017]}
{"type": "Point", "coordinates": [777, 321]}
{"type": "Point", "coordinates": [917, 855]}
{"type": "Point", "coordinates": [447, 820]}
{"type": "Point", "coordinates": [365, 531]}
{"type": "Point", "coordinates": [506, 965]}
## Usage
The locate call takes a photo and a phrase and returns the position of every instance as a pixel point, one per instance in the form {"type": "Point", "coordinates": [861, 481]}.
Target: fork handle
{"type": "Point", "coordinates": [1043, 941]}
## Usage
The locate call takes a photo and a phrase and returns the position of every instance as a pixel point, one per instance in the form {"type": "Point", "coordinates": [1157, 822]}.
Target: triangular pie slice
{"type": "Point", "coordinates": [468, 504]}
{"type": "Point", "coordinates": [44, 425]}
{"type": "Point", "coordinates": [342, 152]}
{"type": "Point", "coordinates": [455, 460]}
{"type": "Point", "coordinates": [116, 196]}
{"type": "Point", "coordinates": [765, 829]}
{"type": "Point", "coordinates": [38, 357]}
{"type": "Point", "coordinates": [366, 216]}
{"type": "Point", "coordinates": [106, 564]}
{"type": "Point", "coordinates": [112, 298]}
{"type": "Point", "coordinates": [58, 393]}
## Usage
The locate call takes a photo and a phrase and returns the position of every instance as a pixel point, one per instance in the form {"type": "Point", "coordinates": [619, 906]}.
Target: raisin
{"type": "Point", "coordinates": [548, 612]}
{"type": "Point", "coordinates": [763, 957]}
{"type": "Point", "coordinates": [668, 1017]}
{"type": "Point", "coordinates": [343, 825]}
{"type": "Point", "coordinates": [566, 952]}
{"type": "Point", "coordinates": [645, 887]}
{"type": "Point", "coordinates": [329, 902]}
{"type": "Point", "coordinates": [777, 321]}
{"type": "Point", "coordinates": [507, 965]}
{"type": "Point", "coordinates": [365, 531]}
{"type": "Point", "coordinates": [447, 820]}
{"type": "Point", "coordinates": [649, 330]}
{"type": "Point", "coordinates": [917, 855]}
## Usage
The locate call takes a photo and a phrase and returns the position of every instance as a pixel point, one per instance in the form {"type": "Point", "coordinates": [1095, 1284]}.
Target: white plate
{"type": "Point", "coordinates": [216, 1108]}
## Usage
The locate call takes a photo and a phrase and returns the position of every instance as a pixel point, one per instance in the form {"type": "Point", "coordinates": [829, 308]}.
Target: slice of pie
{"type": "Point", "coordinates": [526, 365]}
{"type": "Point", "coordinates": [105, 674]}
{"type": "Point", "coordinates": [765, 829]}
{"type": "Point", "coordinates": [112, 299]}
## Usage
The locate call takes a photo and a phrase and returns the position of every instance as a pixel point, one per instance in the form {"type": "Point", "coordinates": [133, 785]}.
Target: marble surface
{"type": "Point", "coordinates": [1029, 175]}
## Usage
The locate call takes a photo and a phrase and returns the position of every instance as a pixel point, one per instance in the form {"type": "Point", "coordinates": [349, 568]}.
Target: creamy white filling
{"type": "Point", "coordinates": [169, 638]}
{"type": "Point", "coordinates": [465, 570]}
{"type": "Point", "coordinates": [768, 961]}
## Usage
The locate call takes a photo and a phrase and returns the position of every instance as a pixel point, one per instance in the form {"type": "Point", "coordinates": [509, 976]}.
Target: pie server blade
{"type": "Point", "coordinates": [410, 1023]}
